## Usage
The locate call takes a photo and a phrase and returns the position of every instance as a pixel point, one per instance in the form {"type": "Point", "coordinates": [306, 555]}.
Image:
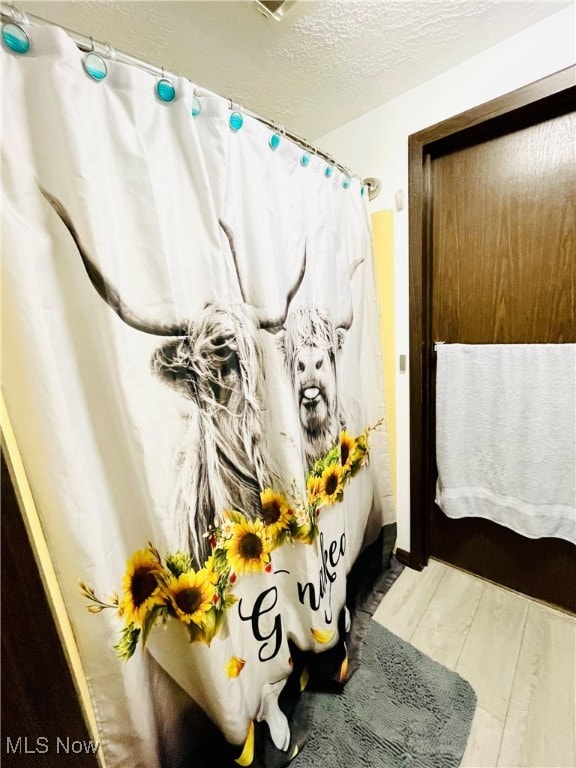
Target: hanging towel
{"type": "Point", "coordinates": [506, 435]}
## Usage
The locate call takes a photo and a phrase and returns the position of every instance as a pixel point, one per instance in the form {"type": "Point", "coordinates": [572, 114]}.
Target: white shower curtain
{"type": "Point", "coordinates": [185, 226]}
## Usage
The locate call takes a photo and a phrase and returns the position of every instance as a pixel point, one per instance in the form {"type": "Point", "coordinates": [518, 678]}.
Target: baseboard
{"type": "Point", "coordinates": [405, 558]}
{"type": "Point", "coordinates": [402, 556]}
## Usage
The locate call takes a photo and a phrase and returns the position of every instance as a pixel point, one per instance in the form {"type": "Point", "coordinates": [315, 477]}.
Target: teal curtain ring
{"type": "Point", "coordinates": [305, 159]}
{"type": "Point", "coordinates": [274, 141]}
{"type": "Point", "coordinates": [196, 107]}
{"type": "Point", "coordinates": [347, 181]}
{"type": "Point", "coordinates": [165, 89]}
{"type": "Point", "coordinates": [95, 66]}
{"type": "Point", "coordinates": [236, 121]}
{"type": "Point", "coordinates": [328, 171]}
{"type": "Point", "coordinates": [14, 38]}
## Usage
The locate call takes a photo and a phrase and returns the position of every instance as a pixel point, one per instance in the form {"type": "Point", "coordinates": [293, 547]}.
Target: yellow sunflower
{"type": "Point", "coordinates": [313, 488]}
{"type": "Point", "coordinates": [360, 455]}
{"type": "Point", "coordinates": [331, 484]}
{"type": "Point", "coordinates": [192, 595]}
{"type": "Point", "coordinates": [347, 448]}
{"type": "Point", "coordinates": [142, 587]}
{"type": "Point", "coordinates": [210, 566]}
{"type": "Point", "coordinates": [248, 551]}
{"type": "Point", "coordinates": [276, 511]}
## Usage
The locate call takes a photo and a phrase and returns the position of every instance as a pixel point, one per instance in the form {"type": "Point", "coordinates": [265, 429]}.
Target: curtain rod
{"type": "Point", "coordinates": [10, 13]}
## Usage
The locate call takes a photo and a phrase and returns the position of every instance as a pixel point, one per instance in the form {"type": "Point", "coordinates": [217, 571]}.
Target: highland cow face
{"type": "Point", "coordinates": [315, 383]}
{"type": "Point", "coordinates": [209, 364]}
{"type": "Point", "coordinates": [311, 344]}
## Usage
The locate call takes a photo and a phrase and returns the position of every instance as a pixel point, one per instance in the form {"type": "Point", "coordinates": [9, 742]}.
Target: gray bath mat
{"type": "Point", "coordinates": [401, 709]}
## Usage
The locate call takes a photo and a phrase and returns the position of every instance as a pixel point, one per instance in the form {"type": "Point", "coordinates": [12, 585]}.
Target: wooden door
{"type": "Point", "coordinates": [493, 261]}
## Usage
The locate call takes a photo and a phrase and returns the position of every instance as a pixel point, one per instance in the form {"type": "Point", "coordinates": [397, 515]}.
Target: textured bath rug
{"type": "Point", "coordinates": [401, 709]}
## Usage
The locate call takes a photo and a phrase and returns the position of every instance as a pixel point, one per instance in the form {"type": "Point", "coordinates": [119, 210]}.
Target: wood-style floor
{"type": "Point", "coordinates": [519, 656]}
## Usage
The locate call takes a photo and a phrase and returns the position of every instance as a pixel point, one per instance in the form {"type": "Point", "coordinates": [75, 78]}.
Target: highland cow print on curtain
{"type": "Point", "coordinates": [192, 367]}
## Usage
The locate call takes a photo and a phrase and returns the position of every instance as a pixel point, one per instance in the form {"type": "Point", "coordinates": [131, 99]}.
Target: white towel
{"type": "Point", "coordinates": [506, 435]}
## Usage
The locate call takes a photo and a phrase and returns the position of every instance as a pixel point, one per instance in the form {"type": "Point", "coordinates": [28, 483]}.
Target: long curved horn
{"type": "Point", "coordinates": [104, 288]}
{"type": "Point", "coordinates": [230, 237]}
{"type": "Point", "coordinates": [271, 324]}
{"type": "Point", "coordinates": [274, 324]}
{"type": "Point", "coordinates": [346, 324]}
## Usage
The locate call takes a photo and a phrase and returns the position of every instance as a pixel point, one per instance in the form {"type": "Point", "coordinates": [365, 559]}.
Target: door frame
{"type": "Point", "coordinates": [531, 104]}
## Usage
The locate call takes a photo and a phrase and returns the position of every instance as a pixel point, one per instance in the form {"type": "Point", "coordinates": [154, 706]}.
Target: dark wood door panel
{"type": "Point", "coordinates": [492, 260]}
{"type": "Point", "coordinates": [535, 567]}
{"type": "Point", "coordinates": [504, 255]}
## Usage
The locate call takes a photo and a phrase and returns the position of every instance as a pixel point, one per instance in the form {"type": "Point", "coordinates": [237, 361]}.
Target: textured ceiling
{"type": "Point", "coordinates": [326, 63]}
